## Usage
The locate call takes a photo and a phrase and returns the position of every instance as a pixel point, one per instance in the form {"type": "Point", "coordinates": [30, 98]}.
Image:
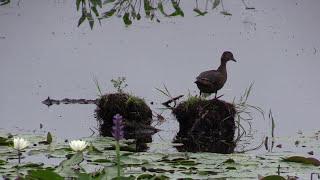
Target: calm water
{"type": "Point", "coordinates": [43, 53]}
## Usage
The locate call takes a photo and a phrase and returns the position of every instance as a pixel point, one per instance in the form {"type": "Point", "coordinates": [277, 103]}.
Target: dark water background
{"type": "Point", "coordinates": [44, 53]}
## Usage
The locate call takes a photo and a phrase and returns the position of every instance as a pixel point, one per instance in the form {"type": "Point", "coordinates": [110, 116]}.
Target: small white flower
{"type": "Point", "coordinates": [20, 143]}
{"type": "Point", "coordinates": [78, 145]}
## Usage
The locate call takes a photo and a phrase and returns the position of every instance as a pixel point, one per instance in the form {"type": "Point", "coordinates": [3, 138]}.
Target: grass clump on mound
{"type": "Point", "coordinates": [135, 111]}
{"type": "Point", "coordinates": [212, 117]}
{"type": "Point", "coordinates": [206, 125]}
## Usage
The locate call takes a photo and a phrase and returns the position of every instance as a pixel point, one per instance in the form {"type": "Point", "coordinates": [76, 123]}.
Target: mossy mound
{"type": "Point", "coordinates": [136, 113]}
{"type": "Point", "coordinates": [205, 125]}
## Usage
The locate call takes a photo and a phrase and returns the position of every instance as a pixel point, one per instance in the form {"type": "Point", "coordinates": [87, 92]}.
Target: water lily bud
{"type": "Point", "coordinates": [78, 145]}
{"type": "Point", "coordinates": [20, 143]}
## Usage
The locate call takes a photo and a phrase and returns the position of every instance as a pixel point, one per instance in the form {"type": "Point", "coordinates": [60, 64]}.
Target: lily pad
{"type": "Point", "coordinates": [2, 162]}
{"type": "Point", "coordinates": [5, 142]}
{"type": "Point", "coordinates": [273, 177]}
{"type": "Point", "coordinates": [43, 174]}
{"type": "Point", "coordinates": [303, 160]}
{"type": "Point", "coordinates": [66, 167]}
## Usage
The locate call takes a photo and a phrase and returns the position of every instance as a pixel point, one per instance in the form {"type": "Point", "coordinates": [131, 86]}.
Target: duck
{"type": "Point", "coordinates": [213, 80]}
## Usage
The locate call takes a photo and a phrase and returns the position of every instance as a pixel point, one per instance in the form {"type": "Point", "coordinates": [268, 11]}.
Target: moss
{"type": "Point", "coordinates": [205, 125]}
{"type": "Point", "coordinates": [191, 102]}
{"type": "Point", "coordinates": [135, 100]}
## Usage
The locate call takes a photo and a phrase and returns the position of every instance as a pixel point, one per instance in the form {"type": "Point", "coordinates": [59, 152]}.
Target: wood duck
{"type": "Point", "coordinates": [213, 80]}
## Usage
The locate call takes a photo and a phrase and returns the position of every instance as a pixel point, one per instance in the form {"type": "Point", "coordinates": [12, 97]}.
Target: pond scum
{"type": "Point", "coordinates": [101, 157]}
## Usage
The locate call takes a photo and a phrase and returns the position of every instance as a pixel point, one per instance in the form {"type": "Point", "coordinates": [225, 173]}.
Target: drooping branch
{"type": "Point", "coordinates": [133, 10]}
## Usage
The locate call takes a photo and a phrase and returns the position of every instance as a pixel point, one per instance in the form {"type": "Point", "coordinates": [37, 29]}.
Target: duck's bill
{"type": "Point", "coordinates": [233, 60]}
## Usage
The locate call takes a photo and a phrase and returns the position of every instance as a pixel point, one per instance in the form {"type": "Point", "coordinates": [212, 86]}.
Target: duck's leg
{"type": "Point", "coordinates": [215, 97]}
{"type": "Point", "coordinates": [215, 94]}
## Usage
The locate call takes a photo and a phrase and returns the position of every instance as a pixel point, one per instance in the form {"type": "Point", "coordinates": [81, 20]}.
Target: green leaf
{"type": "Point", "coordinates": [90, 20]}
{"type": "Point", "coordinates": [95, 11]}
{"type": "Point", "coordinates": [78, 4]}
{"type": "Point", "coordinates": [160, 7]}
{"type": "Point", "coordinates": [99, 2]}
{"type": "Point", "coordinates": [126, 19]}
{"type": "Point", "coordinates": [147, 7]}
{"type": "Point", "coordinates": [4, 2]}
{"type": "Point", "coordinates": [43, 175]}
{"type": "Point", "coordinates": [215, 3]}
{"type": "Point", "coordinates": [200, 13]}
{"type": "Point", "coordinates": [226, 13]}
{"type": "Point", "coordinates": [93, 2]}
{"type": "Point", "coordinates": [49, 138]}
{"type": "Point", "coordinates": [109, 13]}
{"type": "Point", "coordinates": [178, 11]}
{"type": "Point", "coordinates": [83, 17]}
{"type": "Point", "coordinates": [138, 16]}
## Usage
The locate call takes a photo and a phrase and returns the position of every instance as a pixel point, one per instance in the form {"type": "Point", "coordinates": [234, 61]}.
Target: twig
{"type": "Point", "coordinates": [93, 132]}
{"type": "Point", "coordinates": [172, 100]}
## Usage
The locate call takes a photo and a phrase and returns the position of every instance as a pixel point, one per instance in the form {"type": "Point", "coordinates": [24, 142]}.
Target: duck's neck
{"type": "Point", "coordinates": [223, 67]}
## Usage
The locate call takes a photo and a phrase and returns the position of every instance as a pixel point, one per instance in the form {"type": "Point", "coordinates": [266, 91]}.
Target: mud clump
{"type": "Point", "coordinates": [136, 113]}
{"type": "Point", "coordinates": [205, 125]}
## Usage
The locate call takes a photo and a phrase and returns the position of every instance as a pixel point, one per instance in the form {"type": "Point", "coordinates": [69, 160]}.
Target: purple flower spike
{"type": "Point", "coordinates": [117, 128]}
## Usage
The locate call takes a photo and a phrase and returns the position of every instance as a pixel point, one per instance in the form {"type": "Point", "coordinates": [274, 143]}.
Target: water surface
{"type": "Point", "coordinates": [44, 53]}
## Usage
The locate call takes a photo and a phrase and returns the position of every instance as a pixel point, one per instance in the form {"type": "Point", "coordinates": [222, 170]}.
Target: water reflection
{"type": "Point", "coordinates": [203, 143]}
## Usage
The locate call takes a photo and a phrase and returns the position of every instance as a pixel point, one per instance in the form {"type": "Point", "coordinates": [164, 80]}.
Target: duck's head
{"type": "Point", "coordinates": [227, 56]}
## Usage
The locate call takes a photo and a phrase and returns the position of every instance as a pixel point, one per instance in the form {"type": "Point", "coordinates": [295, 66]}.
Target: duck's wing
{"type": "Point", "coordinates": [211, 76]}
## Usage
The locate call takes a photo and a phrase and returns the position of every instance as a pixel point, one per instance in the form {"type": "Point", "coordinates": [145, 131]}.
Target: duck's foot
{"type": "Point", "coordinates": [218, 96]}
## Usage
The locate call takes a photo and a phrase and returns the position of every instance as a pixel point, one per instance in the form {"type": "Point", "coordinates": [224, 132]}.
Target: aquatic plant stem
{"type": "Point", "coordinates": [19, 156]}
{"type": "Point", "coordinates": [118, 158]}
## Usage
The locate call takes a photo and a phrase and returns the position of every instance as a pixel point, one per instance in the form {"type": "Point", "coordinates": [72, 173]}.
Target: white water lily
{"type": "Point", "coordinates": [20, 143]}
{"type": "Point", "coordinates": [78, 145]}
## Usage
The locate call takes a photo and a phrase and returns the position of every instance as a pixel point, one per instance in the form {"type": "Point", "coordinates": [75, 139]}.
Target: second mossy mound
{"type": "Point", "coordinates": [205, 125]}
{"type": "Point", "coordinates": [136, 113]}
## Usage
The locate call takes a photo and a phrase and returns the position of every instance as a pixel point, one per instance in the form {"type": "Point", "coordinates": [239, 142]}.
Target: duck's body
{"type": "Point", "coordinates": [210, 81]}
{"type": "Point", "coordinates": [213, 80]}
